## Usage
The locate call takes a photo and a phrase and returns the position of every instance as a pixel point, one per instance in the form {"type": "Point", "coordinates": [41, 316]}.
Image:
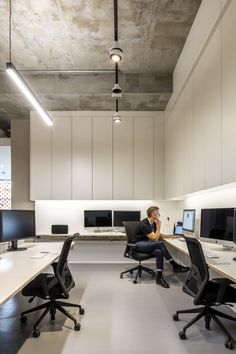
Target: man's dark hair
{"type": "Point", "coordinates": [151, 210]}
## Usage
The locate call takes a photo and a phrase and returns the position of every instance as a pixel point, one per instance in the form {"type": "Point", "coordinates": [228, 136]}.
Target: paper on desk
{"type": "Point", "coordinates": [220, 263]}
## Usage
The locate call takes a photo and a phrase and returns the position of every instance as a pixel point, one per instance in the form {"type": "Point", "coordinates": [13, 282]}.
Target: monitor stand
{"type": "Point", "coordinates": [13, 246]}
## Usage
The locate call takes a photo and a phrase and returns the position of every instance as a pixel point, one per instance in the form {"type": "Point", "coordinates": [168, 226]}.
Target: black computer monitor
{"type": "Point", "coordinates": [189, 220]}
{"type": "Point", "coordinates": [97, 218]}
{"type": "Point", "coordinates": [16, 225]}
{"type": "Point", "coordinates": [120, 216]}
{"type": "Point", "coordinates": [217, 225]}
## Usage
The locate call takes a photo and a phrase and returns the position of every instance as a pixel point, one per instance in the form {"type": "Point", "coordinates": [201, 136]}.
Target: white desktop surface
{"type": "Point", "coordinates": [103, 233]}
{"type": "Point", "coordinates": [17, 268]}
{"type": "Point", "coordinates": [224, 265]}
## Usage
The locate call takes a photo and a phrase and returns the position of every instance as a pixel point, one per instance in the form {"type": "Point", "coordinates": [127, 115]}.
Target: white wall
{"type": "Point", "coordinates": [5, 159]}
{"type": "Point", "coordinates": [71, 212]}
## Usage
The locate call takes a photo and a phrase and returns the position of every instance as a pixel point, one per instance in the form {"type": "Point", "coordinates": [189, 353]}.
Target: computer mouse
{"type": "Point", "coordinates": [234, 259]}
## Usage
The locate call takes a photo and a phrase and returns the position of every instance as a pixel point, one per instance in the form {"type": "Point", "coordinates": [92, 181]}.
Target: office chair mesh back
{"type": "Point", "coordinates": [198, 275]}
{"type": "Point", "coordinates": [62, 270]}
{"type": "Point", "coordinates": [130, 227]}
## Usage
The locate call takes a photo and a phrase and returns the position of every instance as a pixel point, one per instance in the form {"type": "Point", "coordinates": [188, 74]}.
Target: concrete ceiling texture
{"type": "Point", "coordinates": [62, 49]}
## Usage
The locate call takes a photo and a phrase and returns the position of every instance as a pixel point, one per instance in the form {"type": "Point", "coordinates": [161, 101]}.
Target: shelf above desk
{"type": "Point", "coordinates": [87, 236]}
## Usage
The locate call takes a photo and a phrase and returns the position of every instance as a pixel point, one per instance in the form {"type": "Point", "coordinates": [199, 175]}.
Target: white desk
{"type": "Point", "coordinates": [18, 268]}
{"type": "Point", "coordinates": [224, 265]}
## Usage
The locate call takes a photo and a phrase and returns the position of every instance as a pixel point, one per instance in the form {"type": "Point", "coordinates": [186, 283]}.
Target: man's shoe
{"type": "Point", "coordinates": [161, 281]}
{"type": "Point", "coordinates": [180, 269]}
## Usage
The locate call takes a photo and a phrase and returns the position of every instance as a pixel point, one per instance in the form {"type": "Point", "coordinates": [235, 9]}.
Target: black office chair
{"type": "Point", "coordinates": [53, 287]}
{"type": "Point", "coordinates": [130, 252]}
{"type": "Point", "coordinates": [206, 292]}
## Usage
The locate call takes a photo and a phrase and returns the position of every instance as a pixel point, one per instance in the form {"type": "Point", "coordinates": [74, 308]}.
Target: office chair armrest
{"type": "Point", "coordinates": [129, 250]}
{"type": "Point", "coordinates": [77, 234]}
{"type": "Point", "coordinates": [223, 284]}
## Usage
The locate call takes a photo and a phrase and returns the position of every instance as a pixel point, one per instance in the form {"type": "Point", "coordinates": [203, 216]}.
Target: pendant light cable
{"type": "Point", "coordinates": [10, 18]}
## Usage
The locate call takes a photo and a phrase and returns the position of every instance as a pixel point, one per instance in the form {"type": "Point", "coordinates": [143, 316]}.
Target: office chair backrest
{"type": "Point", "coordinates": [130, 227]}
{"type": "Point", "coordinates": [199, 274]}
{"type": "Point", "coordinates": [62, 270]}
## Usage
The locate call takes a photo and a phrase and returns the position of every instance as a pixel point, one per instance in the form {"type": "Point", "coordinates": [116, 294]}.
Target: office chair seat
{"type": "Point", "coordinates": [39, 287]}
{"type": "Point", "coordinates": [53, 287]}
{"type": "Point", "coordinates": [137, 256]}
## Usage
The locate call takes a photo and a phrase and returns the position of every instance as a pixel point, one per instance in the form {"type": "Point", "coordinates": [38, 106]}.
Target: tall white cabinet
{"type": "Point", "coordinates": [40, 159]}
{"type": "Point", "coordinates": [203, 115]}
{"type": "Point", "coordinates": [61, 158]}
{"type": "Point", "coordinates": [85, 156]}
{"type": "Point", "coordinates": [143, 157]}
{"type": "Point", "coordinates": [102, 158]}
{"type": "Point", "coordinates": [228, 95]}
{"type": "Point", "coordinates": [123, 140]}
{"type": "Point", "coordinates": [82, 155]}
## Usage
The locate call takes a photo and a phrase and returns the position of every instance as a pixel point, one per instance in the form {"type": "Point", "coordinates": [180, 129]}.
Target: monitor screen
{"type": "Point", "coordinates": [120, 216]}
{"type": "Point", "coordinates": [16, 224]}
{"type": "Point", "coordinates": [178, 230]}
{"type": "Point", "coordinates": [188, 220]}
{"type": "Point", "coordinates": [97, 218]}
{"type": "Point", "coordinates": [217, 224]}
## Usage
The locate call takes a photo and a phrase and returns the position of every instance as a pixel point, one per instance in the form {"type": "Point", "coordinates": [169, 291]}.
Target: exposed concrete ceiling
{"type": "Point", "coordinates": [77, 35]}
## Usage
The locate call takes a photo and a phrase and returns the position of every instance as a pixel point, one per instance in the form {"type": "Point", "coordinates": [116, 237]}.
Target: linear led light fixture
{"type": "Point", "coordinates": [24, 87]}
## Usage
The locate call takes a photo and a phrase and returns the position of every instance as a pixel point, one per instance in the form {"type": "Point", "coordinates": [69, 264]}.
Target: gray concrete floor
{"type": "Point", "coordinates": [120, 317]}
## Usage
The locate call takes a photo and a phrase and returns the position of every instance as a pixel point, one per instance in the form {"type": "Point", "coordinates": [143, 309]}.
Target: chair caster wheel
{"type": "Point", "coordinates": [182, 335]}
{"type": "Point", "coordinates": [81, 311]}
{"type": "Point", "coordinates": [23, 319]}
{"type": "Point", "coordinates": [229, 344]}
{"type": "Point", "coordinates": [135, 281]}
{"type": "Point", "coordinates": [36, 333]}
{"type": "Point", "coordinates": [121, 276]}
{"type": "Point", "coordinates": [77, 327]}
{"type": "Point", "coordinates": [175, 317]}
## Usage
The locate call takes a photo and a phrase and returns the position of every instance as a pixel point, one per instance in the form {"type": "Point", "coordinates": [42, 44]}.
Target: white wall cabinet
{"type": "Point", "coordinates": [143, 182]}
{"type": "Point", "coordinates": [84, 156]}
{"type": "Point", "coordinates": [159, 121]}
{"type": "Point", "coordinates": [188, 137]}
{"type": "Point", "coordinates": [123, 137]}
{"type": "Point", "coordinates": [61, 158]}
{"type": "Point", "coordinates": [40, 159]}
{"type": "Point", "coordinates": [194, 128]}
{"type": "Point", "coordinates": [102, 158]}
{"type": "Point", "coordinates": [228, 95]}
{"type": "Point", "coordinates": [212, 110]}
{"type": "Point", "coordinates": [199, 126]}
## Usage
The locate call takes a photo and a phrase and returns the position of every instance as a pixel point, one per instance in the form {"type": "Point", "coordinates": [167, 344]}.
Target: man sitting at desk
{"type": "Point", "coordinates": [147, 238]}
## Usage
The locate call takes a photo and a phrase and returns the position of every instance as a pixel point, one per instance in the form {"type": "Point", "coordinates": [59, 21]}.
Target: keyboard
{"type": "Point", "coordinates": [181, 239]}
